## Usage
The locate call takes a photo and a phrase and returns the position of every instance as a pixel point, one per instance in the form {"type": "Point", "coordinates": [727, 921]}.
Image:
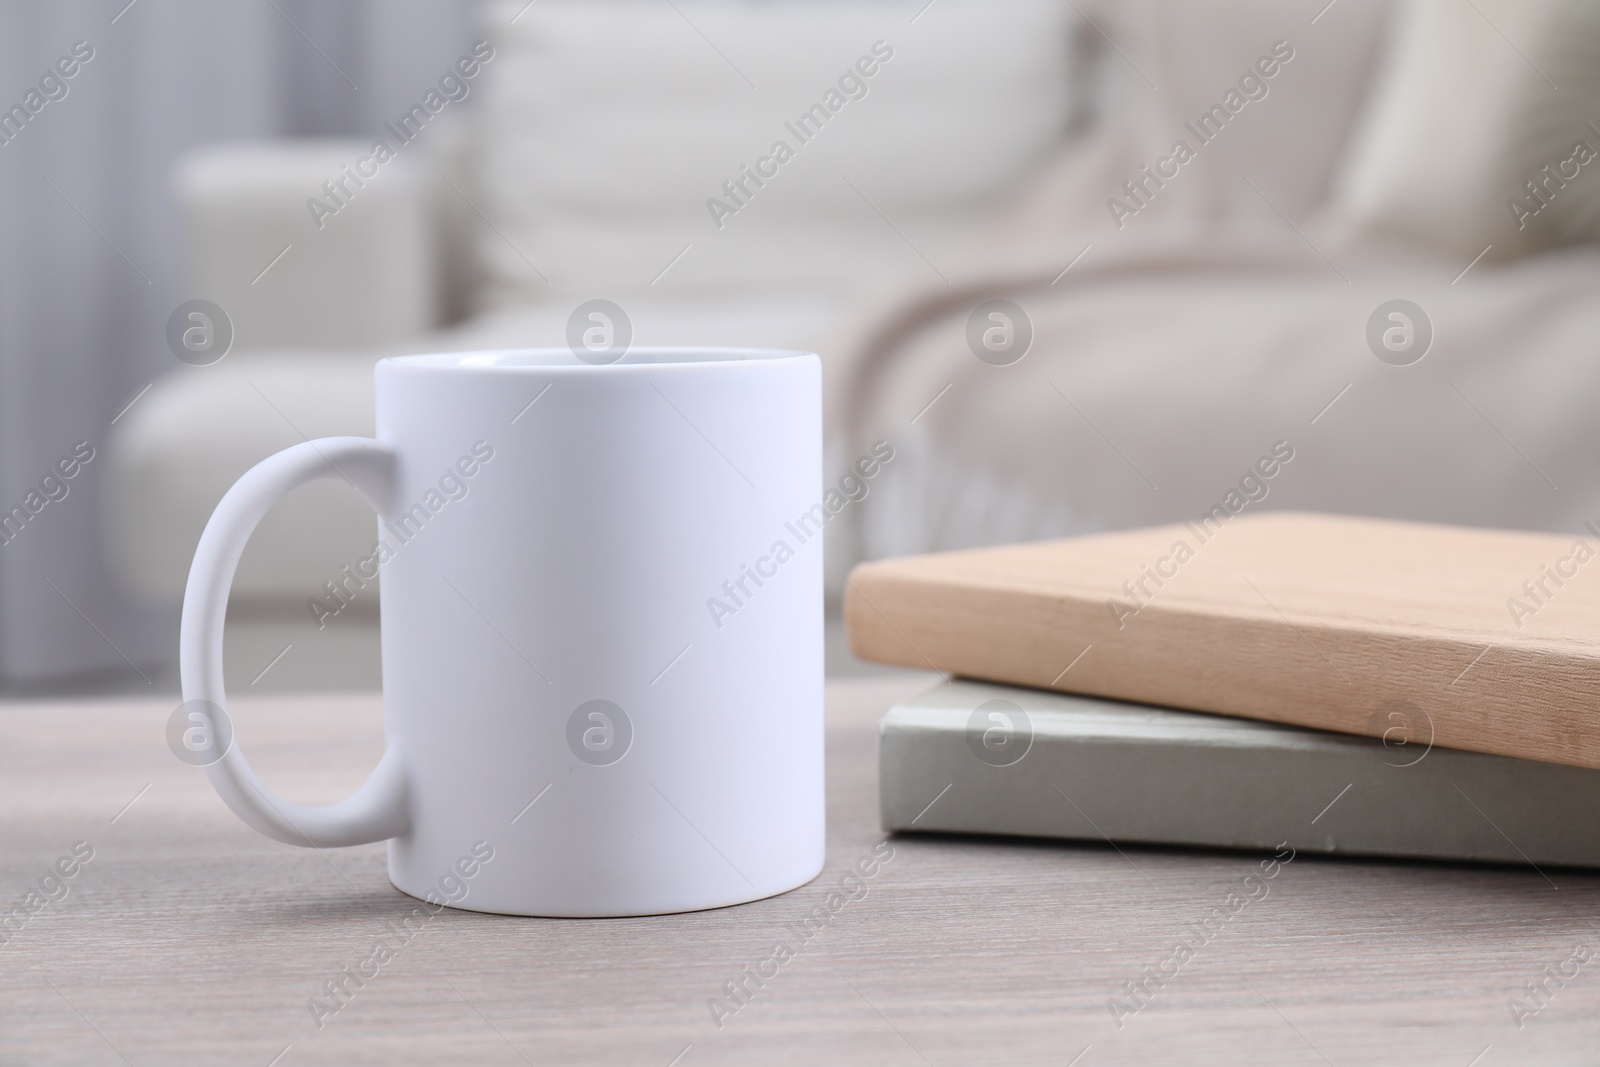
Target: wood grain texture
{"type": "Point", "coordinates": [1314, 620]}
{"type": "Point", "coordinates": [189, 939]}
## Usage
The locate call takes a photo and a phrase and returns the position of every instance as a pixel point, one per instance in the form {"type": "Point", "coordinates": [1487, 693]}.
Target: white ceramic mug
{"type": "Point", "coordinates": [601, 623]}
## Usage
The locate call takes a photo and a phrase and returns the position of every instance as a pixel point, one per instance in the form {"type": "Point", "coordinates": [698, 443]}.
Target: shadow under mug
{"type": "Point", "coordinates": [601, 615]}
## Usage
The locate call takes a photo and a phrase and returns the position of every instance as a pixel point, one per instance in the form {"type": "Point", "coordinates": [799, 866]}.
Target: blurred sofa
{"type": "Point", "coordinates": [1180, 326]}
{"type": "Point", "coordinates": [582, 162]}
{"type": "Point", "coordinates": [1425, 151]}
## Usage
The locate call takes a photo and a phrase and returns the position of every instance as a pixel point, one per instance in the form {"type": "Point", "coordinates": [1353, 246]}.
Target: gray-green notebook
{"type": "Point", "coordinates": [969, 757]}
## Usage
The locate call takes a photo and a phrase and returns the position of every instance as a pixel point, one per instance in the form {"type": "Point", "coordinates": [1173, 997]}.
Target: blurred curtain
{"type": "Point", "coordinates": [87, 245]}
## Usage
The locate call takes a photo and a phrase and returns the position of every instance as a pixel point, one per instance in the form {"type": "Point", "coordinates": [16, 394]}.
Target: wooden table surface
{"type": "Point", "coordinates": [187, 938]}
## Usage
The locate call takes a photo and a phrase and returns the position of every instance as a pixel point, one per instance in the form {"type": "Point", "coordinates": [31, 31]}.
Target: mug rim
{"type": "Point", "coordinates": [545, 359]}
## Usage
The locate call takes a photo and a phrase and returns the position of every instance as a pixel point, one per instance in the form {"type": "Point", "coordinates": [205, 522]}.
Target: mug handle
{"type": "Point", "coordinates": [380, 809]}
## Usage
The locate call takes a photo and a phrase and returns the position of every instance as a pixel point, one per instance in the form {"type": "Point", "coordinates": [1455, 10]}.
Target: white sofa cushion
{"type": "Point", "coordinates": [608, 126]}
{"type": "Point", "coordinates": [1466, 114]}
{"type": "Point", "coordinates": [289, 277]}
{"type": "Point", "coordinates": [179, 448]}
{"type": "Point", "coordinates": [800, 320]}
{"type": "Point", "coordinates": [1179, 58]}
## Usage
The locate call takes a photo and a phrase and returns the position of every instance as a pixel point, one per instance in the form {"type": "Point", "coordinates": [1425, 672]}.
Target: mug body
{"type": "Point", "coordinates": [602, 627]}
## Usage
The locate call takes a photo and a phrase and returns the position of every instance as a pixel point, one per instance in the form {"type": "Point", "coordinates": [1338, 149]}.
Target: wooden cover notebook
{"type": "Point", "coordinates": [1485, 640]}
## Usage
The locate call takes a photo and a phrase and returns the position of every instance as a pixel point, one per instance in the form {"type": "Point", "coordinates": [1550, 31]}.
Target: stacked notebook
{"type": "Point", "coordinates": [1345, 685]}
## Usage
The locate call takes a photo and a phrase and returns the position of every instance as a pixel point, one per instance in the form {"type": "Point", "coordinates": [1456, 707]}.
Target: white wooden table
{"type": "Point", "coordinates": [190, 939]}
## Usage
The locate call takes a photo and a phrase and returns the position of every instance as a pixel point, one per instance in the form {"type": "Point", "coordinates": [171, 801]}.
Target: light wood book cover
{"type": "Point", "coordinates": [1485, 640]}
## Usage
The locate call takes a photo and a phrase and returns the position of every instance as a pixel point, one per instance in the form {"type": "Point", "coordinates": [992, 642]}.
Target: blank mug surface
{"type": "Point", "coordinates": [576, 568]}
{"type": "Point", "coordinates": [601, 622]}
